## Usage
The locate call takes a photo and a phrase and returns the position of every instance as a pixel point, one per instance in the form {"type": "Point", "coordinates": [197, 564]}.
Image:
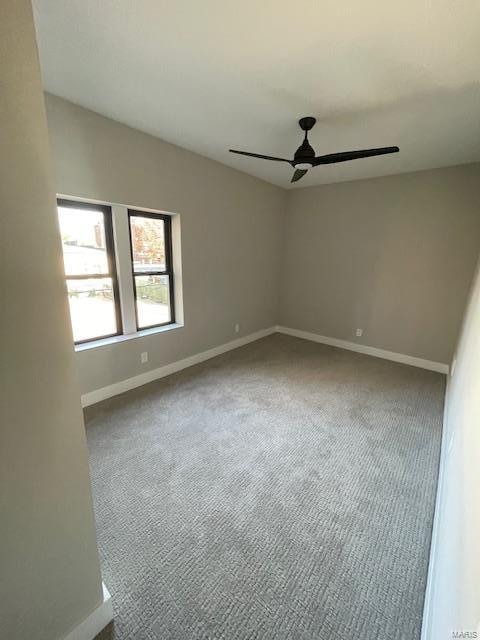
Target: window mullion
{"type": "Point", "coordinates": [152, 273]}
{"type": "Point", "coordinates": [121, 235]}
{"type": "Point", "coordinates": [88, 276]}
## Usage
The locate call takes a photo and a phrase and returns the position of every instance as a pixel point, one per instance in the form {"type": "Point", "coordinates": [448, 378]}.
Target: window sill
{"type": "Point", "coordinates": [105, 342]}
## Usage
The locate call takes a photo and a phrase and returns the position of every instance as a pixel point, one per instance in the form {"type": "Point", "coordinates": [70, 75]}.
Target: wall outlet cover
{"type": "Point", "coordinates": [144, 357]}
{"type": "Point", "coordinates": [359, 332]}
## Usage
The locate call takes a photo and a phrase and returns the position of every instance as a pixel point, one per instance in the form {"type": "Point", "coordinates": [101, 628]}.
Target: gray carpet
{"type": "Point", "coordinates": [282, 490]}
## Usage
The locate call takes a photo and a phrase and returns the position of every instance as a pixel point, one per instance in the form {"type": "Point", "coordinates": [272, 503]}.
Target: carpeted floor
{"type": "Point", "coordinates": [282, 490]}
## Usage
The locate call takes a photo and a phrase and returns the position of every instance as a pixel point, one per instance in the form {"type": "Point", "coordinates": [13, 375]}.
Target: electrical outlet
{"type": "Point", "coordinates": [144, 357]}
{"type": "Point", "coordinates": [237, 328]}
{"type": "Point", "coordinates": [359, 333]}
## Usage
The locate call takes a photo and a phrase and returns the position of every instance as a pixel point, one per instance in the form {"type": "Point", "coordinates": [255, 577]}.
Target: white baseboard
{"type": "Point", "coordinates": [362, 348]}
{"type": "Point", "coordinates": [149, 376]}
{"type": "Point", "coordinates": [137, 381]}
{"type": "Point", "coordinates": [96, 621]}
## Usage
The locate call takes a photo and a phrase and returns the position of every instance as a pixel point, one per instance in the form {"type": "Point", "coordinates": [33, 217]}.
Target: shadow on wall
{"type": "Point", "coordinates": [453, 591]}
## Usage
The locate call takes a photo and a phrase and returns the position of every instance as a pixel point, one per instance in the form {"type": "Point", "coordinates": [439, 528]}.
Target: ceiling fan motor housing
{"type": "Point", "coordinates": [305, 153]}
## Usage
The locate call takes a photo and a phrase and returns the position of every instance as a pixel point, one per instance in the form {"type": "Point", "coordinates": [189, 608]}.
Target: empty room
{"type": "Point", "coordinates": [240, 320]}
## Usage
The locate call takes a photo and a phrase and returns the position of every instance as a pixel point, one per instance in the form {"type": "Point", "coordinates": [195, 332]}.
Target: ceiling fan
{"type": "Point", "coordinates": [305, 159]}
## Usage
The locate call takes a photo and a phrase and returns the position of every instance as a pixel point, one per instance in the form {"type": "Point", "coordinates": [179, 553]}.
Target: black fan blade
{"type": "Point", "coordinates": [258, 155]}
{"type": "Point", "coordinates": [353, 155]}
{"type": "Point", "coordinates": [299, 173]}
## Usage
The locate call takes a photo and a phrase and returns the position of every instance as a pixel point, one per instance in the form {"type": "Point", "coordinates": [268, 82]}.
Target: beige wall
{"type": "Point", "coordinates": [50, 578]}
{"type": "Point", "coordinates": [231, 233]}
{"type": "Point", "coordinates": [394, 256]}
{"type": "Point", "coordinates": [453, 593]}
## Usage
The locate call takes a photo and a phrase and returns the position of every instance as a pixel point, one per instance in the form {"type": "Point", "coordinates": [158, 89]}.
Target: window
{"type": "Point", "coordinates": [118, 269]}
{"type": "Point", "coordinates": [89, 260]}
{"type": "Point", "coordinates": [151, 250]}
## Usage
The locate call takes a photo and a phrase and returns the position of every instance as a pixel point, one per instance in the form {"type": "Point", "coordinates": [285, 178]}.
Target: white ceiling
{"type": "Point", "coordinates": [217, 74]}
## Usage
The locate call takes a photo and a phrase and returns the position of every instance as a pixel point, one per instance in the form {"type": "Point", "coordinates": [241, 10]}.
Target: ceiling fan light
{"type": "Point", "coordinates": [303, 165]}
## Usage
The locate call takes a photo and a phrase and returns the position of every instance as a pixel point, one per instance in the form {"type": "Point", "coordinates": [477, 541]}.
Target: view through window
{"type": "Point", "coordinates": [94, 291]}
{"type": "Point", "coordinates": [89, 262]}
{"type": "Point", "coordinates": [150, 238]}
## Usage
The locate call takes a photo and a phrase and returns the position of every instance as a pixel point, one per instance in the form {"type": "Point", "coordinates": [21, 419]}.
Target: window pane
{"type": "Point", "coordinates": [92, 308]}
{"type": "Point", "coordinates": [148, 244]}
{"type": "Point", "coordinates": [153, 300]}
{"type": "Point", "coordinates": [83, 238]}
